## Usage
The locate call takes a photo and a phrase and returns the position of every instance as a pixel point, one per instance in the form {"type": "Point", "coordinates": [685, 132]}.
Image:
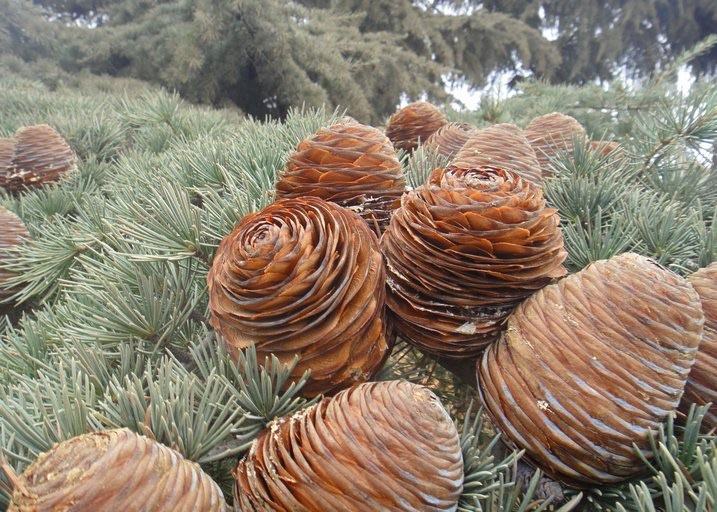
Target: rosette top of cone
{"type": "Point", "coordinates": [304, 277]}
{"type": "Point", "coordinates": [552, 134]}
{"type": "Point", "coordinates": [589, 365]}
{"type": "Point", "coordinates": [450, 138]}
{"type": "Point", "coordinates": [501, 145]}
{"type": "Point", "coordinates": [701, 386]}
{"type": "Point", "coordinates": [388, 446]}
{"type": "Point", "coordinates": [12, 234]}
{"type": "Point", "coordinates": [350, 164]}
{"type": "Point", "coordinates": [414, 124]}
{"type": "Point", "coordinates": [114, 470]}
{"type": "Point", "coordinates": [34, 156]}
{"type": "Point", "coordinates": [462, 251]}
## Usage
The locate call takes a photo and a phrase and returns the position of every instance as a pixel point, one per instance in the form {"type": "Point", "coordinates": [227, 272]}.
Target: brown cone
{"type": "Point", "coordinates": [114, 470]}
{"type": "Point", "coordinates": [350, 164]}
{"type": "Point", "coordinates": [552, 134]}
{"type": "Point", "coordinates": [450, 138]}
{"type": "Point", "coordinates": [304, 277]}
{"type": "Point", "coordinates": [11, 235]}
{"type": "Point", "coordinates": [701, 387]}
{"type": "Point", "coordinates": [414, 123]}
{"type": "Point", "coordinates": [500, 145]}
{"type": "Point", "coordinates": [388, 446]}
{"type": "Point", "coordinates": [608, 148]}
{"type": "Point", "coordinates": [588, 365]}
{"type": "Point", "coordinates": [462, 251]}
{"type": "Point", "coordinates": [7, 153]}
{"type": "Point", "coordinates": [40, 155]}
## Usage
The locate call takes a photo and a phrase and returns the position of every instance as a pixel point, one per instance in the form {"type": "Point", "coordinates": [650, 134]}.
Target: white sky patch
{"type": "Point", "coordinates": [549, 32]}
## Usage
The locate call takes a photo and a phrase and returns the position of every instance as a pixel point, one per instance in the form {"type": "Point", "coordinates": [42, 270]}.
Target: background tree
{"type": "Point", "coordinates": [598, 39]}
{"type": "Point", "coordinates": [265, 56]}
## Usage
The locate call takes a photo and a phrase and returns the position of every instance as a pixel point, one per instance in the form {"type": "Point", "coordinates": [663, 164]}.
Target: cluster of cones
{"type": "Point", "coordinates": [468, 267]}
{"type": "Point", "coordinates": [33, 157]}
{"type": "Point", "coordinates": [374, 446]}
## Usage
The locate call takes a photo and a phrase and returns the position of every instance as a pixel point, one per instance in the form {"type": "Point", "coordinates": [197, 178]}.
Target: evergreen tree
{"type": "Point", "coordinates": [267, 56]}
{"type": "Point", "coordinates": [597, 38]}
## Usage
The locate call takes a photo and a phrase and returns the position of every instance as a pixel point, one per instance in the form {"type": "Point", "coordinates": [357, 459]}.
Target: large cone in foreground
{"type": "Point", "coordinates": [115, 470]}
{"type": "Point", "coordinates": [462, 251]}
{"type": "Point", "coordinates": [588, 365]}
{"type": "Point", "coordinates": [552, 134]}
{"type": "Point", "coordinates": [501, 145]}
{"type": "Point", "coordinates": [350, 164]}
{"type": "Point", "coordinates": [304, 277]}
{"type": "Point", "coordinates": [450, 138]}
{"type": "Point", "coordinates": [12, 233]}
{"type": "Point", "coordinates": [388, 446]}
{"type": "Point", "coordinates": [36, 155]}
{"type": "Point", "coordinates": [414, 124]}
{"type": "Point", "coordinates": [702, 385]}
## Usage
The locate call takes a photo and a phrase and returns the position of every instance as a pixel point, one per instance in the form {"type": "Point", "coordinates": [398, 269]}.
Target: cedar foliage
{"type": "Point", "coordinates": [115, 332]}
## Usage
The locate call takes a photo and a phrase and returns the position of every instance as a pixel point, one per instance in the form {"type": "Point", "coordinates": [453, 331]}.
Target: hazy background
{"type": "Point", "coordinates": [264, 56]}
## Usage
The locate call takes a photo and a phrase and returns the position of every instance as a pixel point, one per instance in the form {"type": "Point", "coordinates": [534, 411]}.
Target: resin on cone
{"type": "Point", "coordinates": [552, 134]}
{"type": "Point", "coordinates": [462, 251]}
{"type": "Point", "coordinates": [39, 155]}
{"type": "Point", "coordinates": [12, 234]}
{"type": "Point", "coordinates": [503, 146]}
{"type": "Point", "coordinates": [388, 446]}
{"type": "Point", "coordinates": [701, 387]}
{"type": "Point", "coordinates": [414, 124]}
{"type": "Point", "coordinates": [350, 164]}
{"type": "Point", "coordinates": [589, 365]}
{"type": "Point", "coordinates": [114, 470]}
{"type": "Point", "coordinates": [450, 138]}
{"type": "Point", "coordinates": [304, 277]}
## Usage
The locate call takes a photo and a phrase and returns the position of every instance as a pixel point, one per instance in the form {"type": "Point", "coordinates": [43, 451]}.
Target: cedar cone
{"type": "Point", "coordinates": [7, 153]}
{"type": "Point", "coordinates": [304, 277]}
{"type": "Point", "coordinates": [414, 124]}
{"type": "Point", "coordinates": [701, 386]}
{"type": "Point", "coordinates": [462, 251]}
{"type": "Point", "coordinates": [501, 145]}
{"type": "Point", "coordinates": [34, 156]}
{"type": "Point", "coordinates": [607, 148]}
{"type": "Point", "coordinates": [12, 235]}
{"type": "Point", "coordinates": [350, 164]}
{"type": "Point", "coordinates": [552, 134]}
{"type": "Point", "coordinates": [588, 365]}
{"type": "Point", "coordinates": [114, 470]}
{"type": "Point", "coordinates": [450, 138]}
{"type": "Point", "coordinates": [388, 446]}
